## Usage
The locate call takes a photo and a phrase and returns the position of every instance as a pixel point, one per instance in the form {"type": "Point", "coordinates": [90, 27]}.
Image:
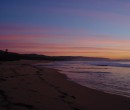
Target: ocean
{"type": "Point", "coordinates": [108, 76]}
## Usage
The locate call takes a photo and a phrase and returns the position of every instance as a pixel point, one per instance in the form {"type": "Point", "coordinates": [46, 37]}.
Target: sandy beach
{"type": "Point", "coordinates": [24, 86]}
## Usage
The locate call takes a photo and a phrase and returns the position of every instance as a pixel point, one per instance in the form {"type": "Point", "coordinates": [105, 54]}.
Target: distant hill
{"type": "Point", "coordinates": [5, 56]}
{"type": "Point", "coordinates": [10, 56]}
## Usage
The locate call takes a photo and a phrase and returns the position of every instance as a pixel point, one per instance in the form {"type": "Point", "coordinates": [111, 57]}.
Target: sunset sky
{"type": "Point", "coordinates": [96, 28]}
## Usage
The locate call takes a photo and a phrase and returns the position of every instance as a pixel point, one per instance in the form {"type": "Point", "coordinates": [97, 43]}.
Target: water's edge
{"type": "Point", "coordinates": [113, 80]}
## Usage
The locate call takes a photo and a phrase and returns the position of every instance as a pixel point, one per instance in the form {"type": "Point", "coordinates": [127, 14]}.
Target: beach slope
{"type": "Point", "coordinates": [24, 86]}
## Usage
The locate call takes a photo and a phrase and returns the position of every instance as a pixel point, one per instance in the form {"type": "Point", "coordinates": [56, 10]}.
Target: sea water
{"type": "Point", "coordinates": [107, 76]}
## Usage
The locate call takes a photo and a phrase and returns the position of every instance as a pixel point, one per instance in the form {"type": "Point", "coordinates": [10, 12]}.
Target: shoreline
{"type": "Point", "coordinates": [69, 79]}
{"type": "Point", "coordinates": [120, 93]}
{"type": "Point", "coordinates": [24, 86]}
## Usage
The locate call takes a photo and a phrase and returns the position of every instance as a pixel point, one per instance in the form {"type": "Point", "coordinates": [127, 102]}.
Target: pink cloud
{"type": "Point", "coordinates": [62, 42]}
{"type": "Point", "coordinates": [26, 37]}
{"type": "Point", "coordinates": [104, 40]}
{"type": "Point", "coordinates": [58, 49]}
{"type": "Point", "coordinates": [41, 47]}
{"type": "Point", "coordinates": [24, 28]}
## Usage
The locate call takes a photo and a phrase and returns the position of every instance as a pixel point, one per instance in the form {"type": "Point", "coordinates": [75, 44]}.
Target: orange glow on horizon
{"type": "Point", "coordinates": [43, 44]}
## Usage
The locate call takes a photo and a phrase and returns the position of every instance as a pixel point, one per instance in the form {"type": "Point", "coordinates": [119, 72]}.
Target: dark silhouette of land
{"type": "Point", "coordinates": [10, 56]}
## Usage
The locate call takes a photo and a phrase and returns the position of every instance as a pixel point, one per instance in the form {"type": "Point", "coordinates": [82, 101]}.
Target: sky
{"type": "Point", "coordinates": [95, 28]}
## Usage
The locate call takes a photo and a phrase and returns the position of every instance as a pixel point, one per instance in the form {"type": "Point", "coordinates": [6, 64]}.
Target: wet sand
{"type": "Point", "coordinates": [24, 86]}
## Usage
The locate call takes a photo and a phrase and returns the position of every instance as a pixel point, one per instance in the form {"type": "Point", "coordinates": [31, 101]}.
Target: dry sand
{"type": "Point", "coordinates": [26, 87]}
